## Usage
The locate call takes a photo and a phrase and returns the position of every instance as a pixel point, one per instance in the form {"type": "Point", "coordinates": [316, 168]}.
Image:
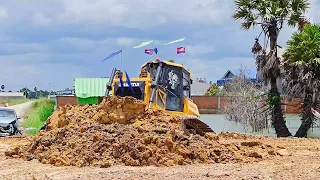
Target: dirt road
{"type": "Point", "coordinates": [21, 109]}
{"type": "Point", "coordinates": [300, 160]}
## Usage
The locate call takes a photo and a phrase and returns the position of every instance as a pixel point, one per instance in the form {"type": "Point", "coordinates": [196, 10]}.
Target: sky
{"type": "Point", "coordinates": [46, 44]}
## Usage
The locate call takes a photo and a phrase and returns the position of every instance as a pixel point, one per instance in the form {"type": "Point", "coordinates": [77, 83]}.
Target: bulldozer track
{"type": "Point", "coordinates": [193, 123]}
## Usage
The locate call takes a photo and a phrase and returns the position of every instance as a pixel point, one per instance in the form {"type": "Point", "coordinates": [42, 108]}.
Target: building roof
{"type": "Point", "coordinates": [11, 94]}
{"type": "Point", "coordinates": [251, 74]}
{"type": "Point", "coordinates": [90, 87]}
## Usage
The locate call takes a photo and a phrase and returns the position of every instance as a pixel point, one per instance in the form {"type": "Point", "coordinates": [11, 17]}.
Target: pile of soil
{"type": "Point", "coordinates": [119, 131]}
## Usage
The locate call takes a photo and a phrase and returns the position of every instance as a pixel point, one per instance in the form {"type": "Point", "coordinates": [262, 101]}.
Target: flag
{"type": "Point", "coordinates": [148, 51]}
{"type": "Point", "coordinates": [112, 54]}
{"type": "Point", "coordinates": [129, 83]}
{"type": "Point", "coordinates": [155, 50]}
{"type": "Point", "coordinates": [181, 50]}
{"type": "Point", "coordinates": [144, 44]}
{"type": "Point", "coordinates": [175, 41]}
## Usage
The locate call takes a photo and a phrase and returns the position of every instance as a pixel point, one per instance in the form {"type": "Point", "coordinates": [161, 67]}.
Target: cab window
{"type": "Point", "coordinates": [172, 81]}
{"type": "Point", "coordinates": [186, 85]}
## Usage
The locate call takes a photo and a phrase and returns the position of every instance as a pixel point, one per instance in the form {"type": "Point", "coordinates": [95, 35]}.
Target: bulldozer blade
{"type": "Point", "coordinates": [193, 123]}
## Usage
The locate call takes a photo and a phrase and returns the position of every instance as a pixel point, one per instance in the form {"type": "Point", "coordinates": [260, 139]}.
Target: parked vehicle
{"type": "Point", "coordinates": [8, 122]}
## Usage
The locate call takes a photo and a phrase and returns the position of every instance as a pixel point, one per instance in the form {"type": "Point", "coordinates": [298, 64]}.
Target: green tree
{"type": "Point", "coordinates": [271, 16]}
{"type": "Point", "coordinates": [302, 72]}
{"type": "Point", "coordinates": [171, 61]}
{"type": "Point", "coordinates": [24, 91]}
{"type": "Point", "coordinates": [212, 90]}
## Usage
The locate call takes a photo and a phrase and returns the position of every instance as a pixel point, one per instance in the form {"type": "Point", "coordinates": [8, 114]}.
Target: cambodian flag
{"type": "Point", "coordinates": [181, 50]}
{"type": "Point", "coordinates": [148, 51]}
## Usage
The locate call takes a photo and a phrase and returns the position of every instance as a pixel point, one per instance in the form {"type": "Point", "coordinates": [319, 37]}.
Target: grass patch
{"type": "Point", "coordinates": [12, 102]}
{"type": "Point", "coordinates": [41, 109]}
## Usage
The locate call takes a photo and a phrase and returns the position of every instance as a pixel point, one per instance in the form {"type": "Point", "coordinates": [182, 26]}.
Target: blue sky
{"type": "Point", "coordinates": [54, 41]}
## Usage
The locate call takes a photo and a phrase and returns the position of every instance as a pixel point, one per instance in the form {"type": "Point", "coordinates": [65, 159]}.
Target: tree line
{"type": "Point", "coordinates": [297, 71]}
{"type": "Point", "coordinates": [298, 68]}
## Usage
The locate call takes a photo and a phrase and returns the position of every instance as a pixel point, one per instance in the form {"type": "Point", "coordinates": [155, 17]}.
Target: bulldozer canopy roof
{"type": "Point", "coordinates": [171, 64]}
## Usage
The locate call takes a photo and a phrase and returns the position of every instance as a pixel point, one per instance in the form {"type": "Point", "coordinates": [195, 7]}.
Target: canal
{"type": "Point", "coordinates": [219, 124]}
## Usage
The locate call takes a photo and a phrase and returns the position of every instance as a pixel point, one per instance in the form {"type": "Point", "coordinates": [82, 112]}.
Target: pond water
{"type": "Point", "coordinates": [219, 124]}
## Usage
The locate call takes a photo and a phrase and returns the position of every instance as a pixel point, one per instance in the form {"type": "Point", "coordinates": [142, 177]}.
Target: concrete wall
{"type": "Point", "coordinates": [206, 104]}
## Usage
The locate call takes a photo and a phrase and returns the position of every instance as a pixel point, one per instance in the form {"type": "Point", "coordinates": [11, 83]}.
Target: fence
{"type": "Point", "coordinates": [206, 104]}
{"type": "Point", "coordinates": [215, 104]}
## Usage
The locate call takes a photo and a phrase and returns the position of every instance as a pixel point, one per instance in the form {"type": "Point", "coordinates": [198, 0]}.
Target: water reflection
{"type": "Point", "coordinates": [219, 124]}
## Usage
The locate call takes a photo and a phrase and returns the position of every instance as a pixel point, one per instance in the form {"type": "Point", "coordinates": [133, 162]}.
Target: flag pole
{"type": "Point", "coordinates": [121, 61]}
{"type": "Point", "coordinates": [153, 47]}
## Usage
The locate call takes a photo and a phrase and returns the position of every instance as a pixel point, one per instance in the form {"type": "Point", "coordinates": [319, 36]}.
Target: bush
{"type": "Point", "coordinates": [40, 111]}
{"type": "Point", "coordinates": [212, 90]}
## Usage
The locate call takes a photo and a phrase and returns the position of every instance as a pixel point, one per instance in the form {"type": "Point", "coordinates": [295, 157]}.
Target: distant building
{"type": "Point", "coordinates": [199, 88]}
{"type": "Point", "coordinates": [11, 95]}
{"type": "Point", "coordinates": [251, 75]}
{"type": "Point", "coordinates": [65, 92]}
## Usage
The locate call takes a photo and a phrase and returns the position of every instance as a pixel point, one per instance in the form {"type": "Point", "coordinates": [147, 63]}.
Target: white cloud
{"type": "Point", "coordinates": [34, 63]}
{"type": "Point", "coordinates": [3, 13]}
{"type": "Point", "coordinates": [199, 49]}
{"type": "Point", "coordinates": [213, 69]}
{"type": "Point", "coordinates": [313, 12]}
{"type": "Point", "coordinates": [16, 75]}
{"type": "Point", "coordinates": [123, 41]}
{"type": "Point", "coordinates": [143, 13]}
{"type": "Point", "coordinates": [40, 19]}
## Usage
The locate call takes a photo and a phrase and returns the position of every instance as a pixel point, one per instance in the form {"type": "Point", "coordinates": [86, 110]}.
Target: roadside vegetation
{"type": "Point", "coordinates": [12, 102]}
{"type": "Point", "coordinates": [40, 110]}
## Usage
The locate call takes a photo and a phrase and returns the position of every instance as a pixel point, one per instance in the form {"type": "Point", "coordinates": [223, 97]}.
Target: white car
{"type": "Point", "coordinates": [8, 122]}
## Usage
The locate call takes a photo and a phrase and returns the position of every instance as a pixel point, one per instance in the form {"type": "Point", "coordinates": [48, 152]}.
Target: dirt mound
{"type": "Point", "coordinates": [120, 132]}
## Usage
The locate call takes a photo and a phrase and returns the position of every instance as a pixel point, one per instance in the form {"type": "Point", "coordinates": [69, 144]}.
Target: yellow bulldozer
{"type": "Point", "coordinates": [162, 85]}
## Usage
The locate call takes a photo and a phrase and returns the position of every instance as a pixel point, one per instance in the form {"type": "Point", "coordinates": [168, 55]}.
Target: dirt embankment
{"type": "Point", "coordinates": [120, 132]}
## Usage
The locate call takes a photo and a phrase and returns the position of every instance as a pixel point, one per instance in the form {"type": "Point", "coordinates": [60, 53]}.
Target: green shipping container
{"type": "Point", "coordinates": [90, 90]}
{"type": "Point", "coordinates": [90, 100]}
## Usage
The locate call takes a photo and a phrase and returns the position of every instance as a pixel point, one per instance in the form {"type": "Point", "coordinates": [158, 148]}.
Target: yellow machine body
{"type": "Point", "coordinates": [187, 107]}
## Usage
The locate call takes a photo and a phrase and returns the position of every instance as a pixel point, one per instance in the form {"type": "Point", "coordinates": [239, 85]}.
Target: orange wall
{"type": "Point", "coordinates": [63, 100]}
{"type": "Point", "coordinates": [207, 104]}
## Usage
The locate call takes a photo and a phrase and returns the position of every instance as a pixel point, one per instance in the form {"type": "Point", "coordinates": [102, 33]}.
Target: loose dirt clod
{"type": "Point", "coordinates": [119, 131]}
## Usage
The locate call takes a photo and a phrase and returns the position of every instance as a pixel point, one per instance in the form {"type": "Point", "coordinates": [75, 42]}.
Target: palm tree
{"type": "Point", "coordinates": [271, 16]}
{"type": "Point", "coordinates": [302, 72]}
{"type": "Point", "coordinates": [302, 23]}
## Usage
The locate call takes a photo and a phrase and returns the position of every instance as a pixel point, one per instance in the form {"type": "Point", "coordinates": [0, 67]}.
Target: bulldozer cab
{"type": "Point", "coordinates": [174, 80]}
